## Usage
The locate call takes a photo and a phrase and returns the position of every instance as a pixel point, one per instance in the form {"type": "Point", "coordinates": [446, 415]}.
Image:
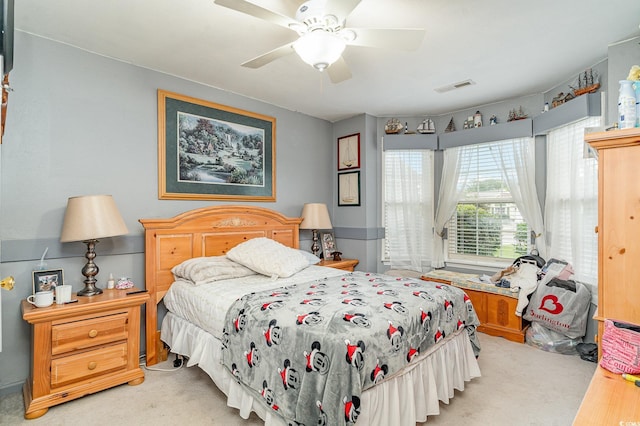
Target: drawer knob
{"type": "Point", "coordinates": [92, 365]}
{"type": "Point", "coordinates": [93, 333]}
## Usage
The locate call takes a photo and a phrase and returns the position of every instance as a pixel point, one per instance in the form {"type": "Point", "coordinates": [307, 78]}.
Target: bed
{"type": "Point", "coordinates": [426, 343]}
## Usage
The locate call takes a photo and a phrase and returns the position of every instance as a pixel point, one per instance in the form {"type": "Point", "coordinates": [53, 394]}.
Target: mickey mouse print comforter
{"type": "Point", "coordinates": [310, 350]}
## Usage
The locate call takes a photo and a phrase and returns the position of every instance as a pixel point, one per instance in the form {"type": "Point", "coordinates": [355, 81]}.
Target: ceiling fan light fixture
{"type": "Point", "coordinates": [320, 48]}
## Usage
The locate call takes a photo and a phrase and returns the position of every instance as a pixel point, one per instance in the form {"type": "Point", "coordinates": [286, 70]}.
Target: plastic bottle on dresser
{"type": "Point", "coordinates": [636, 85]}
{"type": "Point", "coordinates": [626, 105]}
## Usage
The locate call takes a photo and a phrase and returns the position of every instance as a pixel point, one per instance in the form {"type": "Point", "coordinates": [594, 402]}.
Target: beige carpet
{"type": "Point", "coordinates": [520, 385]}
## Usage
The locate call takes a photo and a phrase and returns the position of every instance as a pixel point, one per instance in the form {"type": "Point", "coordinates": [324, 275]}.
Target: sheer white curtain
{"type": "Point", "coordinates": [571, 206]}
{"type": "Point", "coordinates": [517, 160]}
{"type": "Point", "coordinates": [447, 200]}
{"type": "Point", "coordinates": [409, 208]}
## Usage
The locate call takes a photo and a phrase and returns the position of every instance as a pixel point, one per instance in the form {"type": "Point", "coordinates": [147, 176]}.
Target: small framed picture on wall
{"type": "Point", "coordinates": [349, 189]}
{"type": "Point", "coordinates": [349, 152]}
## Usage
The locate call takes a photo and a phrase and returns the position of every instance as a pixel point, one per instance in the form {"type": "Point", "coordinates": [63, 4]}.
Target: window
{"type": "Point", "coordinates": [487, 225]}
{"type": "Point", "coordinates": [571, 207]}
{"type": "Point", "coordinates": [408, 208]}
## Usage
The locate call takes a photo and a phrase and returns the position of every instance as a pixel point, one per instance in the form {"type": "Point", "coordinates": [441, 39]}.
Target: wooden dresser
{"type": "Point", "coordinates": [610, 400]}
{"type": "Point", "coordinates": [82, 348]}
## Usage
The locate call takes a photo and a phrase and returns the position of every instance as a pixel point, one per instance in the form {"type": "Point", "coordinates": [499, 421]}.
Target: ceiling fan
{"type": "Point", "coordinates": [323, 36]}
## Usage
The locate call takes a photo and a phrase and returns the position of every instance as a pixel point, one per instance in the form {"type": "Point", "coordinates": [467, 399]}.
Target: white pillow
{"type": "Point", "coordinates": [268, 257]}
{"type": "Point", "coordinates": [312, 258]}
{"type": "Point", "coordinates": [201, 270]}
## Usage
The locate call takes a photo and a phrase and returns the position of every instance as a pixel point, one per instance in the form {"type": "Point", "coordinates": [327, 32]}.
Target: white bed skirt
{"type": "Point", "coordinates": [403, 399]}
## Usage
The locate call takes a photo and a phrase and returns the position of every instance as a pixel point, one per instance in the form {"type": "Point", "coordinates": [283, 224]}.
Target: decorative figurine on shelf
{"type": "Point", "coordinates": [406, 129]}
{"type": "Point", "coordinates": [477, 119]}
{"type": "Point", "coordinates": [336, 255]}
{"type": "Point", "coordinates": [493, 120]}
{"type": "Point", "coordinates": [587, 82]}
{"type": "Point", "coordinates": [393, 126]}
{"type": "Point", "coordinates": [451, 127]}
{"type": "Point", "coordinates": [517, 114]}
{"type": "Point", "coordinates": [426, 127]}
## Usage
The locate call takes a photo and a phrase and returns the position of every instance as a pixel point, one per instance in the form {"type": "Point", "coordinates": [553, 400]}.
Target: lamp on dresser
{"type": "Point", "coordinates": [88, 219]}
{"type": "Point", "coordinates": [315, 216]}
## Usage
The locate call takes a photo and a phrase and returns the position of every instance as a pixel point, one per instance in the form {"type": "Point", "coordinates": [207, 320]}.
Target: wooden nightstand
{"type": "Point", "coordinates": [82, 348]}
{"type": "Point", "coordinates": [346, 264]}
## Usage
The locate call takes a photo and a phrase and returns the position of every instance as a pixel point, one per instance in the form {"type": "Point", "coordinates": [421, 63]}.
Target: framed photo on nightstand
{"type": "Point", "coordinates": [47, 280]}
{"type": "Point", "coordinates": [328, 243]}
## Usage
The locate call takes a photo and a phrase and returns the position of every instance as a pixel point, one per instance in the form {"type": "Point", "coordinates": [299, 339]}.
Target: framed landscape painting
{"type": "Point", "coordinates": [208, 151]}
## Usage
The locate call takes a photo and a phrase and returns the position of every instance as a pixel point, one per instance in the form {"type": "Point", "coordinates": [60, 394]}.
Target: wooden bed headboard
{"type": "Point", "coordinates": [208, 231]}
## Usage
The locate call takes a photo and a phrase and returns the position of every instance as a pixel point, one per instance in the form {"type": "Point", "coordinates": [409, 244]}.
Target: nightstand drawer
{"type": "Point", "coordinates": [89, 364]}
{"type": "Point", "coordinates": [84, 334]}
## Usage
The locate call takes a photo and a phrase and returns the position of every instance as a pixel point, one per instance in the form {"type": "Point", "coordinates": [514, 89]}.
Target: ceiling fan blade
{"type": "Point", "coordinates": [339, 71]}
{"type": "Point", "coordinates": [257, 11]}
{"type": "Point", "coordinates": [291, 6]}
{"type": "Point", "coordinates": [388, 38]}
{"type": "Point", "coordinates": [341, 8]}
{"type": "Point", "coordinates": [271, 56]}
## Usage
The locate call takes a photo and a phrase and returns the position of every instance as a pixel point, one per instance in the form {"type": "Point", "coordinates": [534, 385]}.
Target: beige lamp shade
{"type": "Point", "coordinates": [315, 216]}
{"type": "Point", "coordinates": [92, 217]}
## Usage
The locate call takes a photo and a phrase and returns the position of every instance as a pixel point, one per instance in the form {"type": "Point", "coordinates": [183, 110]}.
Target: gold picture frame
{"type": "Point", "coordinates": [208, 151]}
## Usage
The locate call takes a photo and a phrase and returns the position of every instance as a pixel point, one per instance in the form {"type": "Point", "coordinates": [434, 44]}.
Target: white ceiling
{"type": "Point", "coordinates": [509, 48]}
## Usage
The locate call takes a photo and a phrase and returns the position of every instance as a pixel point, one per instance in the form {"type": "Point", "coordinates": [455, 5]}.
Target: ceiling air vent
{"type": "Point", "coordinates": [455, 86]}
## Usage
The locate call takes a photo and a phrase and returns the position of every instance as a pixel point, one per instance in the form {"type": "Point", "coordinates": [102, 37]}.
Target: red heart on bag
{"type": "Point", "coordinates": [550, 304]}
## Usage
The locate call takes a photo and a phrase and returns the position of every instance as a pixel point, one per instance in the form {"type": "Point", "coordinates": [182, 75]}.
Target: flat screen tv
{"type": "Point", "coordinates": [6, 36]}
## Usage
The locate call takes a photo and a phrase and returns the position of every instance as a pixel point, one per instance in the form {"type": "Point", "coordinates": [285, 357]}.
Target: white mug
{"type": "Point", "coordinates": [41, 299]}
{"type": "Point", "coordinates": [63, 294]}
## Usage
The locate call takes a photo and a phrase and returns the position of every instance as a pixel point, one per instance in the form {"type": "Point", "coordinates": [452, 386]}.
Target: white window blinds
{"type": "Point", "coordinates": [487, 225]}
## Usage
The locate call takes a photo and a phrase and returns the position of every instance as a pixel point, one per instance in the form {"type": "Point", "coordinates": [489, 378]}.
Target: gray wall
{"type": "Point", "coordinates": [78, 124]}
{"type": "Point", "coordinates": [622, 56]}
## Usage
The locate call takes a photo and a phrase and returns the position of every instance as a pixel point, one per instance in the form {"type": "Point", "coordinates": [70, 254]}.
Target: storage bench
{"type": "Point", "coordinates": [495, 306]}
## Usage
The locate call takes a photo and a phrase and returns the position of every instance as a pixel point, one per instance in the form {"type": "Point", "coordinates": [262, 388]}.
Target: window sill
{"type": "Point", "coordinates": [488, 268]}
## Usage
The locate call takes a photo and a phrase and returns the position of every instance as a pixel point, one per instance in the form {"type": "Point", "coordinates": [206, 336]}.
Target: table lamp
{"type": "Point", "coordinates": [88, 219]}
{"type": "Point", "coordinates": [315, 216]}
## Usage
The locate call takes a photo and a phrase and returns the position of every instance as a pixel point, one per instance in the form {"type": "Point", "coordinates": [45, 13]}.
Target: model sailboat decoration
{"type": "Point", "coordinates": [426, 127]}
{"type": "Point", "coordinates": [349, 196]}
{"type": "Point", "coordinates": [587, 83]}
{"type": "Point", "coordinates": [348, 156]}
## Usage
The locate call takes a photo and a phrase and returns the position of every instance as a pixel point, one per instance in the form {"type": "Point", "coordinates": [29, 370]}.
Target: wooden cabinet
{"type": "Point", "coordinates": [82, 348]}
{"type": "Point", "coordinates": [345, 264]}
{"type": "Point", "coordinates": [611, 399]}
{"type": "Point", "coordinates": [618, 225]}
{"type": "Point", "coordinates": [495, 306]}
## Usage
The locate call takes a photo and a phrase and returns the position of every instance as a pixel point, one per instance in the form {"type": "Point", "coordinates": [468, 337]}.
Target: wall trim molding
{"type": "Point", "coordinates": [31, 250]}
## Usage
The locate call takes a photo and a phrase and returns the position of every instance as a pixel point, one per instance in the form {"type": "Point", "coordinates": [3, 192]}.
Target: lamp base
{"type": "Point", "coordinates": [315, 247]}
{"type": "Point", "coordinates": [89, 290]}
{"type": "Point", "coordinates": [90, 271]}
